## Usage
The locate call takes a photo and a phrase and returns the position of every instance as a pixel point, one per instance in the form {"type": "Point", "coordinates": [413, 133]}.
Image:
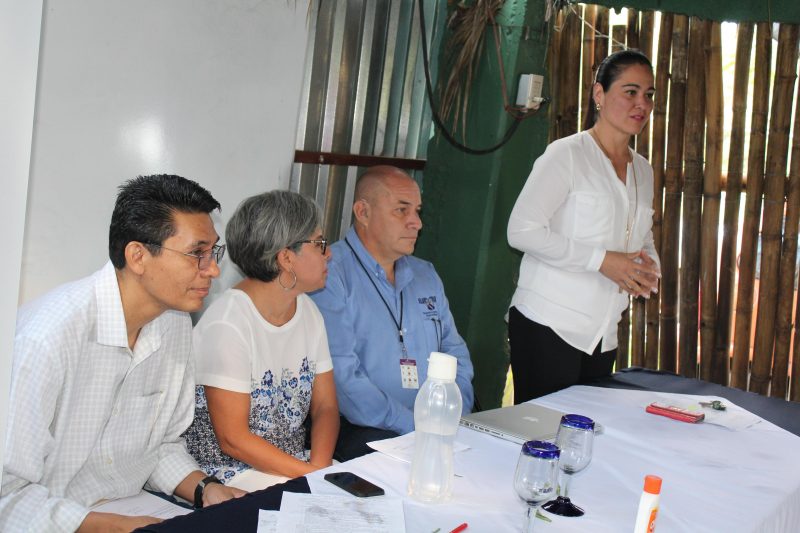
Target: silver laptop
{"type": "Point", "coordinates": [518, 423]}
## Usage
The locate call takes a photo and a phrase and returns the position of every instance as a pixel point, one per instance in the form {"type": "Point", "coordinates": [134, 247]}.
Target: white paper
{"type": "Point", "coordinates": [733, 417]}
{"type": "Point", "coordinates": [402, 447]}
{"type": "Point", "coordinates": [143, 504]}
{"type": "Point", "coordinates": [315, 513]}
{"type": "Point", "coordinates": [267, 521]}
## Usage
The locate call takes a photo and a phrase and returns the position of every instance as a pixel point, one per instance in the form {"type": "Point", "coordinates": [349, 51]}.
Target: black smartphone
{"type": "Point", "coordinates": [357, 486]}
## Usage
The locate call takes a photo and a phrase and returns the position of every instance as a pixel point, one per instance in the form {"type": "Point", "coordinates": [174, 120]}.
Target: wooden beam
{"type": "Point", "coordinates": [356, 160]}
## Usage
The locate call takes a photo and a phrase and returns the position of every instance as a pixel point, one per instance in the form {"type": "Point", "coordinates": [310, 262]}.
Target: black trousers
{"type": "Point", "coordinates": [353, 439]}
{"type": "Point", "coordinates": [541, 362]}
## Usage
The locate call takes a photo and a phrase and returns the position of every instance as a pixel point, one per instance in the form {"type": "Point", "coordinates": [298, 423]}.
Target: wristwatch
{"type": "Point", "coordinates": [198, 490]}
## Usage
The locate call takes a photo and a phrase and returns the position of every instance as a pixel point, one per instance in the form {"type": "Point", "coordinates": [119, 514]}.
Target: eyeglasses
{"type": "Point", "coordinates": [322, 244]}
{"type": "Point", "coordinates": [217, 252]}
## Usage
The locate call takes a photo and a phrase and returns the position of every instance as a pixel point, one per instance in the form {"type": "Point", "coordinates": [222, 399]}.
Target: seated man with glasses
{"type": "Point", "coordinates": [102, 385]}
{"type": "Point", "coordinates": [263, 365]}
{"type": "Point", "coordinates": [385, 312]}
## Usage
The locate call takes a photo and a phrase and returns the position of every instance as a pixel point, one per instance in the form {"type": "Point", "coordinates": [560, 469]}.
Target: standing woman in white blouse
{"type": "Point", "coordinates": [583, 222]}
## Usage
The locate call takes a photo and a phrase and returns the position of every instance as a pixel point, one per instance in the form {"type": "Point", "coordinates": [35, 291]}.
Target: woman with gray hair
{"type": "Point", "coordinates": [262, 356]}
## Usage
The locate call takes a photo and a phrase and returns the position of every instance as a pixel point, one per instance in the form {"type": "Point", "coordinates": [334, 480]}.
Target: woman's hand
{"type": "Point", "coordinates": [635, 273]}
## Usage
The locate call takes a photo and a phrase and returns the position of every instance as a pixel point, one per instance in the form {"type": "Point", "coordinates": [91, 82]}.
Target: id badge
{"type": "Point", "coordinates": [408, 373]}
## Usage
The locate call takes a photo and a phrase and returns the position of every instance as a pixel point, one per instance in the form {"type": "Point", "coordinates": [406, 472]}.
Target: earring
{"type": "Point", "coordinates": [597, 107]}
{"type": "Point", "coordinates": [294, 281]}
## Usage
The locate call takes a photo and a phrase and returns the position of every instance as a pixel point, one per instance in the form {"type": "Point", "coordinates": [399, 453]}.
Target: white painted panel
{"type": "Point", "coordinates": [206, 89]}
{"type": "Point", "coordinates": [20, 23]}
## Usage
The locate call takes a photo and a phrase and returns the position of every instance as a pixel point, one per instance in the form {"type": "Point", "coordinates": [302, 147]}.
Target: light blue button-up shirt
{"type": "Point", "coordinates": [364, 340]}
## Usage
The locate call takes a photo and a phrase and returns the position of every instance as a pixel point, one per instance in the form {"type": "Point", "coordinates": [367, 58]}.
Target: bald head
{"type": "Point", "coordinates": [378, 181]}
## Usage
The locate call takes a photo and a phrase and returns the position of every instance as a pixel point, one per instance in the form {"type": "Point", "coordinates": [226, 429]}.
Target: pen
{"type": "Point", "coordinates": [460, 528]}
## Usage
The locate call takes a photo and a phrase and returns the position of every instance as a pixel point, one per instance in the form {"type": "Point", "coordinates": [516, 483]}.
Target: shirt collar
{"type": "Point", "coordinates": [111, 326]}
{"type": "Point", "coordinates": [402, 270]}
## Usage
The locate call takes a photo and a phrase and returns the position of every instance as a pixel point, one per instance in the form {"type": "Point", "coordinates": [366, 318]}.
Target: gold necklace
{"type": "Point", "coordinates": [630, 220]}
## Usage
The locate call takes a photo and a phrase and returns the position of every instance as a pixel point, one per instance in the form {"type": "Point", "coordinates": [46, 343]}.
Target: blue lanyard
{"type": "Point", "coordinates": [385, 303]}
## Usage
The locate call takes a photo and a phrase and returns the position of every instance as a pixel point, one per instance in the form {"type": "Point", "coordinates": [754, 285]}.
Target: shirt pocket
{"type": "Point", "coordinates": [136, 420]}
{"type": "Point", "coordinates": [593, 216]}
{"type": "Point", "coordinates": [641, 225]}
{"type": "Point", "coordinates": [432, 326]}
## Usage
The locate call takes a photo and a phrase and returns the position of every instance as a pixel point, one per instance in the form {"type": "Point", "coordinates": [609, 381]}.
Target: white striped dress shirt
{"type": "Point", "coordinates": [89, 419]}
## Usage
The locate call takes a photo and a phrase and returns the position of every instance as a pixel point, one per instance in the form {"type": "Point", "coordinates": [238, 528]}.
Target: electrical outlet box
{"type": "Point", "coordinates": [529, 94]}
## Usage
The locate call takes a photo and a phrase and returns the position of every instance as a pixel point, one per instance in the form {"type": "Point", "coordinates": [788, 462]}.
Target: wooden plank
{"type": "Point", "coordinates": [793, 200]}
{"type": "Point", "coordinates": [600, 51]}
{"type": "Point", "coordinates": [772, 223]}
{"type": "Point", "coordinates": [657, 162]}
{"type": "Point", "coordinates": [692, 201]}
{"type": "Point", "coordinates": [587, 64]}
{"type": "Point", "coordinates": [632, 34]}
{"type": "Point", "coordinates": [356, 160]}
{"type": "Point", "coordinates": [733, 193]}
{"type": "Point", "coordinates": [711, 369]}
{"type": "Point", "coordinates": [569, 69]}
{"type": "Point", "coordinates": [553, 63]}
{"type": "Point", "coordinates": [639, 305]}
{"type": "Point", "coordinates": [623, 339]}
{"type": "Point", "coordinates": [672, 196]}
{"type": "Point", "coordinates": [618, 35]}
{"type": "Point", "coordinates": [600, 38]}
{"type": "Point", "coordinates": [787, 288]}
{"type": "Point", "coordinates": [752, 210]}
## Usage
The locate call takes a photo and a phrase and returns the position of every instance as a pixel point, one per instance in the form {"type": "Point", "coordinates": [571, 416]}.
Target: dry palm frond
{"type": "Point", "coordinates": [463, 49]}
{"type": "Point", "coordinates": [554, 6]}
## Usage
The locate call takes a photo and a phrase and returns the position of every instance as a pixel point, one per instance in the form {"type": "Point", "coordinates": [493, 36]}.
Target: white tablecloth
{"type": "Point", "coordinates": [715, 479]}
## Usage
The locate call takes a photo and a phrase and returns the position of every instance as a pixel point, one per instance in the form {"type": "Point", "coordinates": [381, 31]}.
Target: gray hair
{"type": "Point", "coordinates": [265, 224]}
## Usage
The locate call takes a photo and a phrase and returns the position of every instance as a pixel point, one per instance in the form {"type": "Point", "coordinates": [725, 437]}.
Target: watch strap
{"type": "Point", "coordinates": [200, 488]}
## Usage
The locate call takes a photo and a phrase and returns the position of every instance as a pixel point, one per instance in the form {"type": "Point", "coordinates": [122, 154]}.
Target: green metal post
{"type": "Point", "coordinates": [468, 198]}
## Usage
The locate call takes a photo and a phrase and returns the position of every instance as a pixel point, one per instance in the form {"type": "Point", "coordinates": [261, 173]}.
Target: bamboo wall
{"type": "Point", "coordinates": [727, 304]}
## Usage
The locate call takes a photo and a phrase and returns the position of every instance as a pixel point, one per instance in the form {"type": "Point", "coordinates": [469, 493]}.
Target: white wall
{"type": "Point", "coordinates": [207, 89]}
{"type": "Point", "coordinates": [19, 54]}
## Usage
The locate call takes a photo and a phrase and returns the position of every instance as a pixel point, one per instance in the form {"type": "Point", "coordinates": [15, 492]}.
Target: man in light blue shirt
{"type": "Point", "coordinates": [385, 311]}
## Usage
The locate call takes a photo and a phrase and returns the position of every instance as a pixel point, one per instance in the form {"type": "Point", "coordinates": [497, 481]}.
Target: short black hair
{"type": "Point", "coordinates": [607, 73]}
{"type": "Point", "coordinates": [144, 211]}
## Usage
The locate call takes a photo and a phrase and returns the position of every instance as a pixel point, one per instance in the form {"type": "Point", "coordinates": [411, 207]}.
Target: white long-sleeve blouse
{"type": "Point", "coordinates": [572, 209]}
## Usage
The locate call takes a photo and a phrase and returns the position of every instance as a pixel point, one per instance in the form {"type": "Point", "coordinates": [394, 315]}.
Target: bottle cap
{"type": "Point", "coordinates": [442, 366]}
{"type": "Point", "coordinates": [652, 484]}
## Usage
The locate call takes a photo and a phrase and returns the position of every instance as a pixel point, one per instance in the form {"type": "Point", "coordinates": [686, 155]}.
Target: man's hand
{"type": "Point", "coordinates": [114, 523]}
{"type": "Point", "coordinates": [216, 493]}
{"type": "Point", "coordinates": [635, 273]}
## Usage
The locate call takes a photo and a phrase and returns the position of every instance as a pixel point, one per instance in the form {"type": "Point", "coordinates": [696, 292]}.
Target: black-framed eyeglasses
{"type": "Point", "coordinates": [322, 244]}
{"type": "Point", "coordinates": [217, 252]}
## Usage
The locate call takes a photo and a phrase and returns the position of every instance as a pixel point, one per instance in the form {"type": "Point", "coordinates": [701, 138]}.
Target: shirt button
{"type": "Point", "coordinates": [109, 460]}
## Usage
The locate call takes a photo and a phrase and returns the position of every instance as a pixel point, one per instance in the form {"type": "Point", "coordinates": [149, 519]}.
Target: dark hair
{"type": "Point", "coordinates": [265, 224]}
{"type": "Point", "coordinates": [607, 73]}
{"type": "Point", "coordinates": [144, 211]}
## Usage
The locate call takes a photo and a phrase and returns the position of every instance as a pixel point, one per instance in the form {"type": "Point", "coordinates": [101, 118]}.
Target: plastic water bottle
{"type": "Point", "coordinates": [437, 411]}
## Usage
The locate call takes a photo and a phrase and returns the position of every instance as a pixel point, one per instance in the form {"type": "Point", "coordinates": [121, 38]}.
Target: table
{"type": "Point", "coordinates": [714, 479]}
{"type": "Point", "coordinates": [781, 413]}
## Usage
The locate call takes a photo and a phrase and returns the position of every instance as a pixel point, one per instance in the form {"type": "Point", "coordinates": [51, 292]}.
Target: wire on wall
{"type": "Point", "coordinates": [517, 113]}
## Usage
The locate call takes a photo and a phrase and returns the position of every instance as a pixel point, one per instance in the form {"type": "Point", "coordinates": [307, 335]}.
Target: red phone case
{"type": "Point", "coordinates": [676, 413]}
